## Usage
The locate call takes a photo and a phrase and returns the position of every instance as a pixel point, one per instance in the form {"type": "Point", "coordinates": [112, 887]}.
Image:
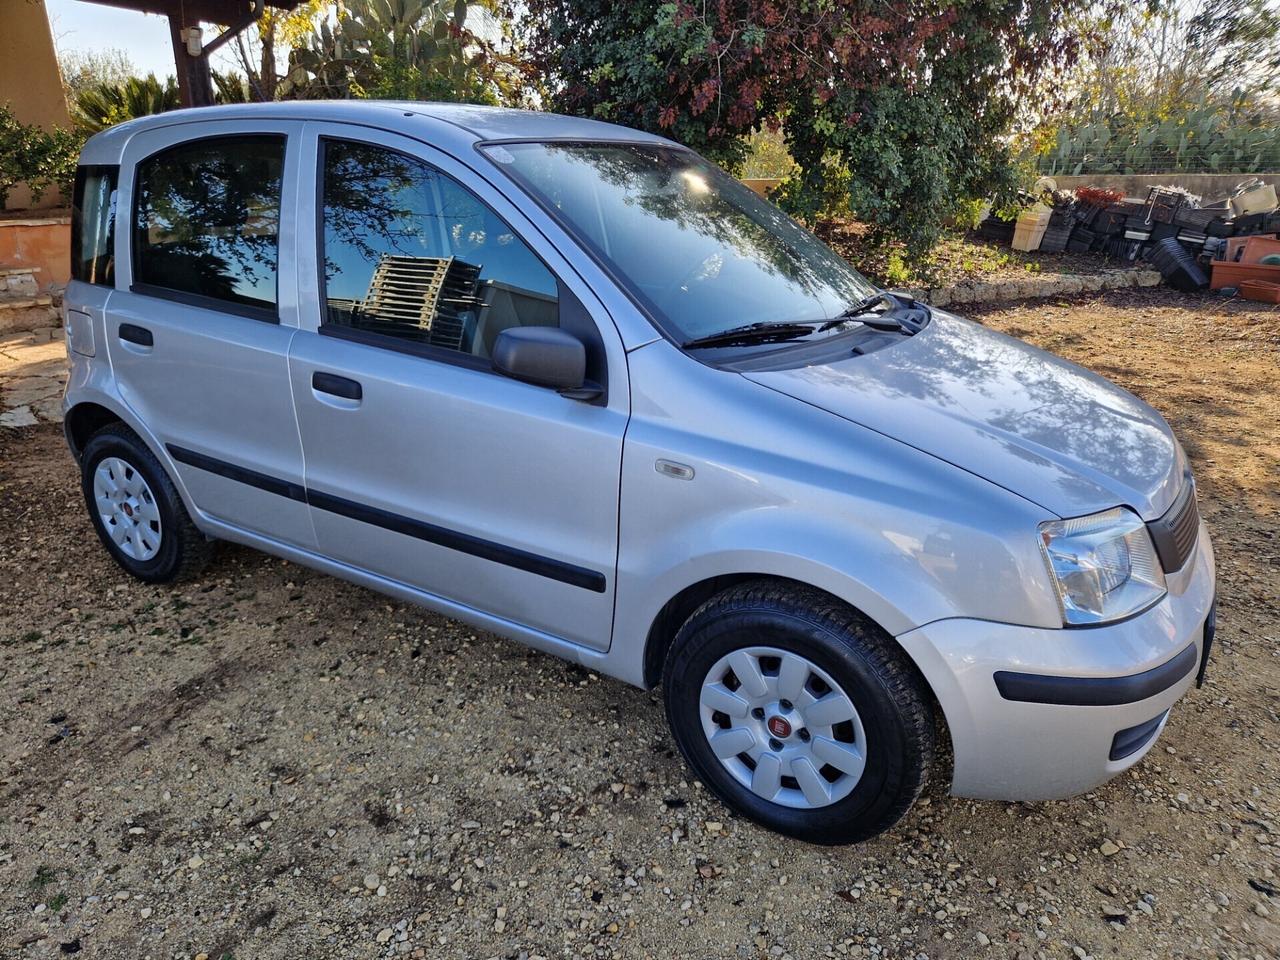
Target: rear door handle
{"type": "Point", "coordinates": [132, 333]}
{"type": "Point", "coordinates": [337, 386]}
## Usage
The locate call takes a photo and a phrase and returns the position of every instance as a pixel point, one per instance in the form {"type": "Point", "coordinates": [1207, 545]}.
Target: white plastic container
{"type": "Point", "coordinates": [1257, 198]}
{"type": "Point", "coordinates": [1030, 227]}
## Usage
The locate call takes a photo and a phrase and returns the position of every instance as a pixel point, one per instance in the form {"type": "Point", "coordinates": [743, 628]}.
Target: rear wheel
{"type": "Point", "coordinates": [136, 510]}
{"type": "Point", "coordinates": [799, 712]}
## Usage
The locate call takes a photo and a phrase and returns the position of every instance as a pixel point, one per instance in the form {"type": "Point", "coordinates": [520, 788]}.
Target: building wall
{"type": "Point", "coordinates": [30, 84]}
{"type": "Point", "coordinates": [42, 243]}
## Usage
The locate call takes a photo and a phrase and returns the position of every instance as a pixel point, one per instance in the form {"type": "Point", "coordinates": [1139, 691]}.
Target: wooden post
{"type": "Point", "coordinates": [195, 81]}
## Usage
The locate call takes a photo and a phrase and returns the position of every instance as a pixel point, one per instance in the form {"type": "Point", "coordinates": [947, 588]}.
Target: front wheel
{"type": "Point", "coordinates": [799, 713]}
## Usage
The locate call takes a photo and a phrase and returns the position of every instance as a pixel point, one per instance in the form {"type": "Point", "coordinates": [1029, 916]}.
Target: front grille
{"type": "Point", "coordinates": [1174, 534]}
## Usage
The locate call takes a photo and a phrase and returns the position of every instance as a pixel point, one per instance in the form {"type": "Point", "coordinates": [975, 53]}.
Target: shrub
{"type": "Point", "coordinates": [41, 159]}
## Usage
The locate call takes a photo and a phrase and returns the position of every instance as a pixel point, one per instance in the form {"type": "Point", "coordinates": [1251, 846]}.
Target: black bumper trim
{"type": "Point", "coordinates": [1210, 631]}
{"type": "Point", "coordinates": [1095, 691]}
{"type": "Point", "coordinates": [1129, 741]}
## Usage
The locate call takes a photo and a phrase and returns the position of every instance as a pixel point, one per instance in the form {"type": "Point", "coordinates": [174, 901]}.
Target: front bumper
{"type": "Point", "coordinates": [1109, 690]}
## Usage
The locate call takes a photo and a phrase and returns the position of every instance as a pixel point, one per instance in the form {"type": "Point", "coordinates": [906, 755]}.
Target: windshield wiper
{"type": "Point", "coordinates": [861, 311]}
{"type": "Point", "coordinates": [903, 315]}
{"type": "Point", "coordinates": [762, 332]}
{"type": "Point", "coordinates": [895, 319]}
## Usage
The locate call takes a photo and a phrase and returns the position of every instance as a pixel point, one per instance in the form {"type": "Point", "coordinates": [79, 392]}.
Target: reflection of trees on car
{"type": "Point", "coordinates": [377, 201]}
{"type": "Point", "coordinates": [411, 253]}
{"type": "Point", "coordinates": [208, 218]}
{"type": "Point", "coordinates": [695, 242]}
{"type": "Point", "coordinates": [684, 190]}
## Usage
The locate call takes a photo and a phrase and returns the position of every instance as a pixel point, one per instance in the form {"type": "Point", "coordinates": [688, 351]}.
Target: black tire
{"type": "Point", "coordinates": [184, 551]}
{"type": "Point", "coordinates": [890, 696]}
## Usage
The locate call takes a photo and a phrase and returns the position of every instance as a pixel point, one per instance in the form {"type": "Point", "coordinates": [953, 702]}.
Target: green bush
{"type": "Point", "coordinates": [41, 159]}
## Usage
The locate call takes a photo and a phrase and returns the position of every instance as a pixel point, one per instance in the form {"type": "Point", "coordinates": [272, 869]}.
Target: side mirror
{"type": "Point", "coordinates": [546, 357]}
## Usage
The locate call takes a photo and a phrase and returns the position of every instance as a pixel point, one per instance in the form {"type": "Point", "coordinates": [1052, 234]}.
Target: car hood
{"type": "Point", "coordinates": [1035, 424]}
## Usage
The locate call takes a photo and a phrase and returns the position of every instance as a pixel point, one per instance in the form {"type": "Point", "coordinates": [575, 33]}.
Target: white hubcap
{"type": "Point", "coordinates": [783, 727]}
{"type": "Point", "coordinates": [127, 508]}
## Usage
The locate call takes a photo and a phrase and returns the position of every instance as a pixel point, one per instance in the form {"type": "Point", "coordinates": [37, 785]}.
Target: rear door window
{"type": "Point", "coordinates": [207, 220]}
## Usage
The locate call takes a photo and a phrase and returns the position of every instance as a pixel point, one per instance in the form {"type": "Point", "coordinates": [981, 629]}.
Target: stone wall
{"type": "Point", "coordinates": [1210, 186]}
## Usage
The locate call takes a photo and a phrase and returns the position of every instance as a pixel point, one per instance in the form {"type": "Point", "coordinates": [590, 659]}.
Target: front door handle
{"type": "Point", "coordinates": [132, 333]}
{"type": "Point", "coordinates": [337, 386]}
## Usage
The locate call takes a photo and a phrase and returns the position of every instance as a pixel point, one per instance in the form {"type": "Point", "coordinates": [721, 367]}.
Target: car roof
{"type": "Point", "coordinates": [459, 122]}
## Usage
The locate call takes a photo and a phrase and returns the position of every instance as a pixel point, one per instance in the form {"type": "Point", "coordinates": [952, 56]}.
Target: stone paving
{"type": "Point", "coordinates": [33, 372]}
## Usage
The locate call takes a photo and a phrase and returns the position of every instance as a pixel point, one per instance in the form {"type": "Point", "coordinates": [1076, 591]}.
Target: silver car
{"type": "Point", "coordinates": [572, 384]}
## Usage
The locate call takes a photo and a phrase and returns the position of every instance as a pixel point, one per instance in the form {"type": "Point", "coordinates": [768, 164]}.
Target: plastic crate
{"type": "Point", "coordinates": [1082, 240]}
{"type": "Point", "coordinates": [1253, 223]}
{"type": "Point", "coordinates": [1221, 227]}
{"type": "Point", "coordinates": [1263, 291]}
{"type": "Point", "coordinates": [1193, 218]}
{"type": "Point", "coordinates": [1253, 197]}
{"type": "Point", "coordinates": [1233, 250]}
{"type": "Point", "coordinates": [998, 231]}
{"type": "Point", "coordinates": [1255, 248]}
{"type": "Point", "coordinates": [1163, 203]}
{"type": "Point", "coordinates": [1178, 267]}
{"type": "Point", "coordinates": [1109, 221]}
{"type": "Point", "coordinates": [1030, 228]}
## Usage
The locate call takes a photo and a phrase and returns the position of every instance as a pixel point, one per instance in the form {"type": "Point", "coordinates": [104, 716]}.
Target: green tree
{"type": "Point", "coordinates": [107, 104]}
{"type": "Point", "coordinates": [897, 109]}
{"type": "Point", "coordinates": [84, 69]}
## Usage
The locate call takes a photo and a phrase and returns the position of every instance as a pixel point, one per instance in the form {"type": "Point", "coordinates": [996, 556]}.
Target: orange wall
{"type": "Point", "coordinates": [38, 243]}
{"type": "Point", "coordinates": [30, 83]}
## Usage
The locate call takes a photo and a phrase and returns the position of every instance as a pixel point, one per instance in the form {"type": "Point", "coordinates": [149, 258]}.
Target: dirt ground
{"type": "Point", "coordinates": [269, 763]}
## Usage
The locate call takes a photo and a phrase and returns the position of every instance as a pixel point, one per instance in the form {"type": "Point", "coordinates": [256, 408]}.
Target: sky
{"type": "Point", "coordinates": [78, 25]}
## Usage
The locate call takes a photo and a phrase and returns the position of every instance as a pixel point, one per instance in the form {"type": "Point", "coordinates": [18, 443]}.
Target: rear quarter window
{"type": "Point", "coordinates": [93, 224]}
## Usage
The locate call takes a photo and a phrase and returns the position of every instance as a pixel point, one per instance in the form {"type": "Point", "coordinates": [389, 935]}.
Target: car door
{"type": "Point", "coordinates": [199, 325]}
{"type": "Point", "coordinates": [423, 465]}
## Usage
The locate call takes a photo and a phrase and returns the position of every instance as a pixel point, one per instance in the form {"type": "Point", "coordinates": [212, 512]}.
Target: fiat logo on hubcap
{"type": "Point", "coordinates": [779, 727]}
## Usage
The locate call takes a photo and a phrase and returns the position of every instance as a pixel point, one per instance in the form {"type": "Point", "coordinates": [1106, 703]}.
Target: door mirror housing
{"type": "Point", "coordinates": [546, 357]}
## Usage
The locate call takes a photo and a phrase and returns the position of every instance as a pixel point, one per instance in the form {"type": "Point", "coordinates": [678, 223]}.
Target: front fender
{"type": "Point", "coordinates": [783, 489]}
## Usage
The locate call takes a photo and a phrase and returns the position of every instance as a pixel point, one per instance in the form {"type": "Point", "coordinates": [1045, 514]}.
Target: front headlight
{"type": "Point", "coordinates": [1103, 566]}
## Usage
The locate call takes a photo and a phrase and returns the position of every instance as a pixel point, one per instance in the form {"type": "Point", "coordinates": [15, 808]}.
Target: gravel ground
{"type": "Point", "coordinates": [270, 763]}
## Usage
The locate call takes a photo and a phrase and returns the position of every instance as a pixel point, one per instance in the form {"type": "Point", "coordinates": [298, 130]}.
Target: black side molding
{"type": "Point", "coordinates": [533, 563]}
{"type": "Point", "coordinates": [1095, 691]}
{"type": "Point", "coordinates": [262, 481]}
{"type": "Point", "coordinates": [1210, 630]}
{"type": "Point", "coordinates": [462, 542]}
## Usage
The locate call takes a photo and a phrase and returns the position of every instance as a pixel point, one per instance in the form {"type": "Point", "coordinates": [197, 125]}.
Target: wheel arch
{"type": "Point", "coordinates": [96, 410]}
{"type": "Point", "coordinates": [662, 633]}
{"type": "Point", "coordinates": [673, 614]}
{"type": "Point", "coordinates": [85, 419]}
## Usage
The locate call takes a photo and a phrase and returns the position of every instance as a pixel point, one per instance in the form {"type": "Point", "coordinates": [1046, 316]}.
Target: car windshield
{"type": "Point", "coordinates": [700, 251]}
